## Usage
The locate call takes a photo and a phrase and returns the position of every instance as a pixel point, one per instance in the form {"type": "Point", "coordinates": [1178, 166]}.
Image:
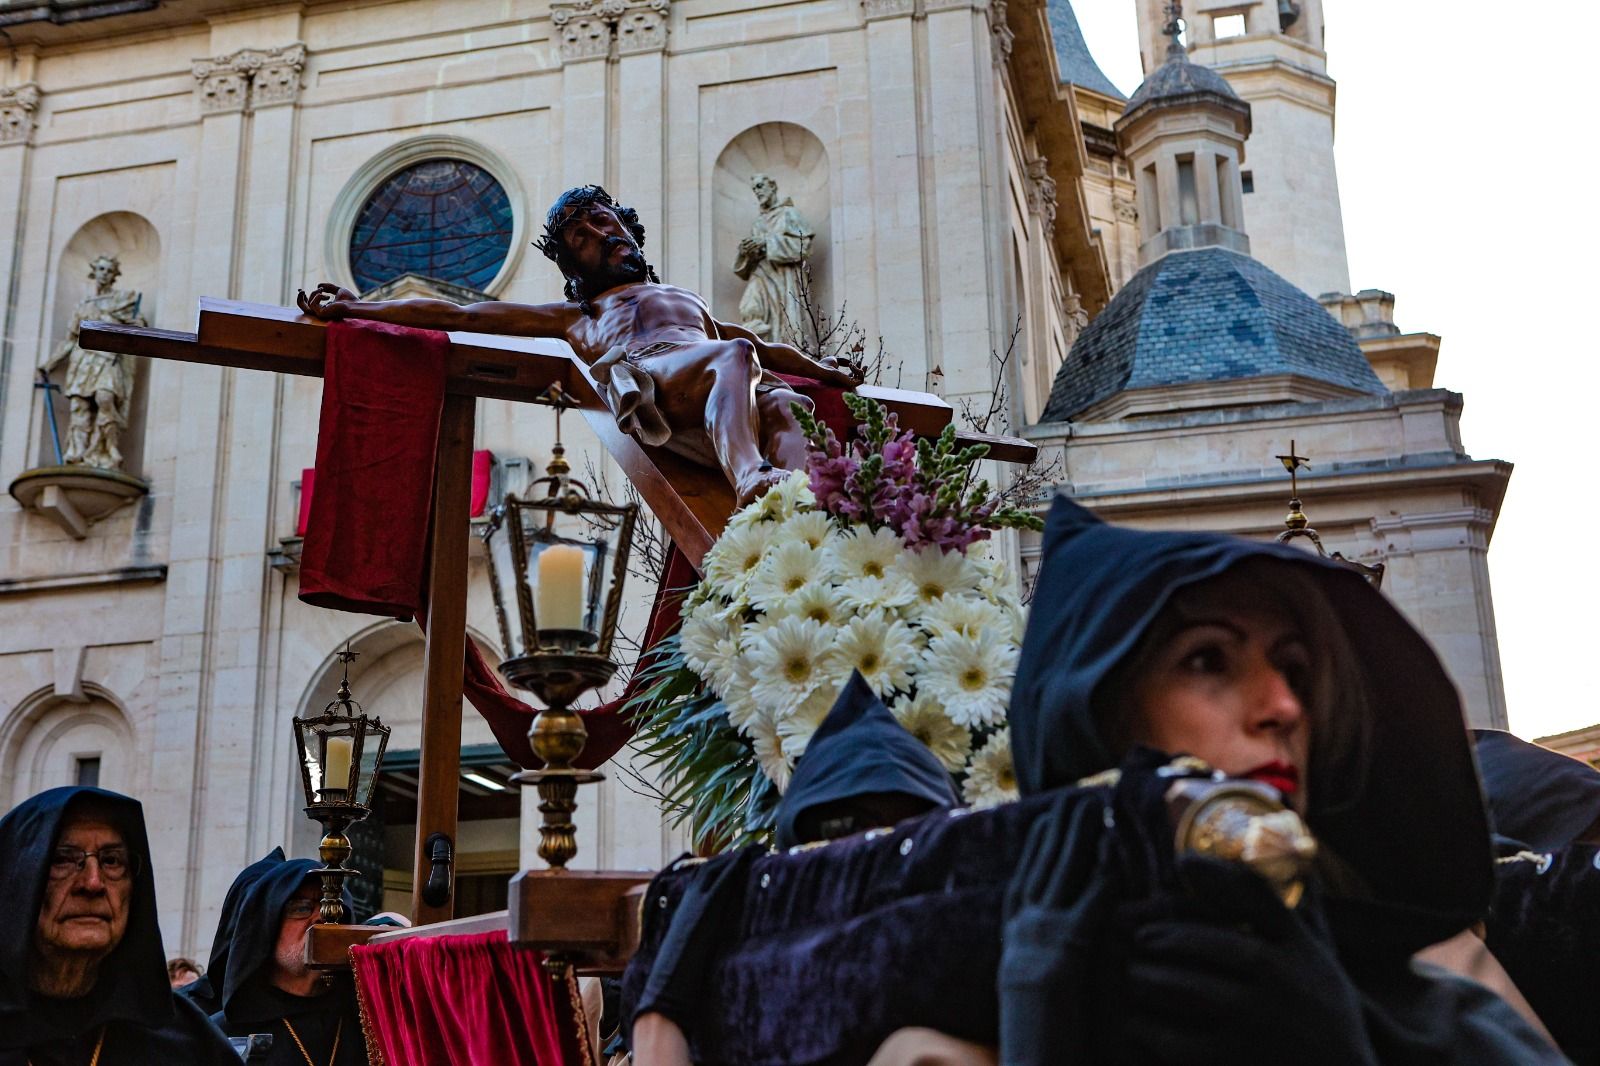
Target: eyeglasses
{"type": "Point", "coordinates": [116, 862]}
{"type": "Point", "coordinates": [300, 908]}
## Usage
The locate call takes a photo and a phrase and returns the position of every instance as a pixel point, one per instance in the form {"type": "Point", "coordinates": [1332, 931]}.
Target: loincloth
{"type": "Point", "coordinates": [630, 388]}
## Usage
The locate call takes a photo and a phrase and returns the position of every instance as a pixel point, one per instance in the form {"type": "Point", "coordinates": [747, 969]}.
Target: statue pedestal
{"type": "Point", "coordinates": [75, 497]}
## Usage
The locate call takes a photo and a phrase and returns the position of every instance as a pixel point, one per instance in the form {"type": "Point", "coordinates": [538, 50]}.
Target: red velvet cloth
{"type": "Point", "coordinates": [466, 1001]}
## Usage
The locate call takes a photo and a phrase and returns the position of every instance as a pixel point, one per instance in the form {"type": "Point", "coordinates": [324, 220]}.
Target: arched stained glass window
{"type": "Point", "coordinates": [441, 218]}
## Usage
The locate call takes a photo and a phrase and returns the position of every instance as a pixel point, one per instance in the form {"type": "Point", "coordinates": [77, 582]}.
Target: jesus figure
{"type": "Point", "coordinates": [673, 374]}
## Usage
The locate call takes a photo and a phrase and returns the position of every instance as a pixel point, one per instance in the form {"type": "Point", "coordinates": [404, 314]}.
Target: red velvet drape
{"type": "Point", "coordinates": [466, 1001]}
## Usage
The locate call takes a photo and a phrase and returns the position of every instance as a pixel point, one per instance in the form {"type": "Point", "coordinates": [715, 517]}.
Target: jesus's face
{"type": "Point", "coordinates": [601, 248]}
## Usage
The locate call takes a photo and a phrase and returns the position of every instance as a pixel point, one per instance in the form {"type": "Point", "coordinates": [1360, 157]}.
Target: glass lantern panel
{"type": "Point", "coordinates": [372, 745]}
{"type": "Point", "coordinates": [338, 745]}
{"type": "Point", "coordinates": [503, 571]}
{"type": "Point", "coordinates": [569, 575]}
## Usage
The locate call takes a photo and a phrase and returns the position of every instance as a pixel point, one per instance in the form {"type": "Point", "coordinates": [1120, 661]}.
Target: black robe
{"type": "Point", "coordinates": [1544, 926]}
{"type": "Point", "coordinates": [207, 991]}
{"type": "Point", "coordinates": [251, 1004]}
{"type": "Point", "coordinates": [1402, 810]}
{"type": "Point", "coordinates": [860, 749]}
{"type": "Point", "coordinates": [132, 1000]}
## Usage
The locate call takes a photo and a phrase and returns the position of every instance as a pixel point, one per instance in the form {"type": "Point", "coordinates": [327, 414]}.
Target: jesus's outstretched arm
{"type": "Point", "coordinates": [329, 302]}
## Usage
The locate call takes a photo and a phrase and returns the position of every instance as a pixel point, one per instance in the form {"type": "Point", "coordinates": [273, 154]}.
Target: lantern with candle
{"type": "Point", "coordinates": [558, 558]}
{"type": "Point", "coordinates": [341, 752]}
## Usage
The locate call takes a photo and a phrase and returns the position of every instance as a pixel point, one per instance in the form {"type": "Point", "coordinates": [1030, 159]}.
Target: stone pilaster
{"type": "Point", "coordinates": [249, 78]}
{"type": "Point", "coordinates": [598, 29]}
{"type": "Point", "coordinates": [17, 106]}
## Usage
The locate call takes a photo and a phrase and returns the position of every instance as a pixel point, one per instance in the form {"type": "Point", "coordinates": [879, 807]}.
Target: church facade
{"type": "Point", "coordinates": [957, 164]}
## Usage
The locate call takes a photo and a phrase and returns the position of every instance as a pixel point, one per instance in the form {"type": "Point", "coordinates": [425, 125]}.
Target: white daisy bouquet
{"type": "Point", "coordinates": [876, 559]}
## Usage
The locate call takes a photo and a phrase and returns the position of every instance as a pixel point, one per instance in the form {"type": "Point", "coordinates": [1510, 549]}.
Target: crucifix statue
{"type": "Point", "coordinates": [674, 376]}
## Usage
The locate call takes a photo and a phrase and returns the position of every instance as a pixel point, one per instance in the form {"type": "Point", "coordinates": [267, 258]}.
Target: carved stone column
{"type": "Point", "coordinates": [249, 78]}
{"type": "Point", "coordinates": [17, 105]}
{"type": "Point", "coordinates": [598, 29]}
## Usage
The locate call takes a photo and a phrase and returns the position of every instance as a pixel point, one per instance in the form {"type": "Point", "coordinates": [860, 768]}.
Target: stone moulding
{"type": "Point", "coordinates": [249, 78]}
{"type": "Point", "coordinates": [17, 106]}
{"type": "Point", "coordinates": [589, 29]}
{"type": "Point", "coordinates": [1042, 194]}
{"type": "Point", "coordinates": [885, 9]}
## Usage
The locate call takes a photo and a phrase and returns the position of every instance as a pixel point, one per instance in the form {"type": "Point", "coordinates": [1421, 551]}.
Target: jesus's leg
{"type": "Point", "coordinates": [712, 387]}
{"type": "Point", "coordinates": [782, 440]}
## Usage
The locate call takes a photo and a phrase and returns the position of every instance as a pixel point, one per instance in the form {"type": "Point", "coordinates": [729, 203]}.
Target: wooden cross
{"type": "Point", "coordinates": [692, 502]}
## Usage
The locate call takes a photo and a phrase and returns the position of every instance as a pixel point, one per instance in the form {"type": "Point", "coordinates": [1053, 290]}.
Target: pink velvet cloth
{"type": "Point", "coordinates": [466, 1000]}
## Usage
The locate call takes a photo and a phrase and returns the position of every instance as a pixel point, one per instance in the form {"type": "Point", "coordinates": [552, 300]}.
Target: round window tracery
{"type": "Point", "coordinates": [441, 218]}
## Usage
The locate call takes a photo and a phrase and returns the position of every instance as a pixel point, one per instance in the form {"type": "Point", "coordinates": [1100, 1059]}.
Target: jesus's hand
{"type": "Point", "coordinates": [842, 372]}
{"type": "Point", "coordinates": [327, 301]}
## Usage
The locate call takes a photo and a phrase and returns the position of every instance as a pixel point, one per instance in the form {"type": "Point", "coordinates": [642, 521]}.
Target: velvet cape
{"type": "Point", "coordinates": [132, 997]}
{"type": "Point", "coordinates": [250, 1004]}
{"type": "Point", "coordinates": [1539, 797]}
{"type": "Point", "coordinates": [1543, 925]}
{"type": "Point", "coordinates": [1411, 823]}
{"type": "Point", "coordinates": [859, 749]}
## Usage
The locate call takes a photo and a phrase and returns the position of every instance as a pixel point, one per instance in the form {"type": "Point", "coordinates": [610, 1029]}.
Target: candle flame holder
{"type": "Point", "coordinates": [557, 564]}
{"type": "Point", "coordinates": [338, 793]}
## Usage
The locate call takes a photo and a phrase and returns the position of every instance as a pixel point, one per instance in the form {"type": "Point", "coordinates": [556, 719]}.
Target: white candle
{"type": "Point", "coordinates": [560, 599]}
{"type": "Point", "coordinates": [336, 763]}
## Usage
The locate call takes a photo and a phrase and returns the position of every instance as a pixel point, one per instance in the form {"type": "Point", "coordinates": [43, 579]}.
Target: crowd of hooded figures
{"type": "Point", "coordinates": [1451, 914]}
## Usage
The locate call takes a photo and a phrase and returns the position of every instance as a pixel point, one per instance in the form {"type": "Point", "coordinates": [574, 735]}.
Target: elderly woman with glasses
{"type": "Point", "coordinates": [82, 972]}
{"type": "Point", "coordinates": [264, 983]}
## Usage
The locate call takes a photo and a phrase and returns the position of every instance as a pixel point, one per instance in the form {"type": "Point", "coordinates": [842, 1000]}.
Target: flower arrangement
{"type": "Point", "coordinates": [875, 558]}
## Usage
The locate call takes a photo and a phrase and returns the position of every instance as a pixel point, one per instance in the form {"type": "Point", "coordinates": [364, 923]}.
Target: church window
{"type": "Point", "coordinates": [1149, 201]}
{"type": "Point", "coordinates": [446, 219]}
{"type": "Point", "coordinates": [1224, 26]}
{"type": "Point", "coordinates": [1247, 178]}
{"type": "Point", "coordinates": [88, 771]}
{"type": "Point", "coordinates": [1188, 194]}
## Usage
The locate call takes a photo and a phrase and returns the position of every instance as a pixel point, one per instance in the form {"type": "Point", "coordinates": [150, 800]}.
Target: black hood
{"type": "Point", "coordinates": [132, 985]}
{"type": "Point", "coordinates": [1415, 827]}
{"type": "Point", "coordinates": [860, 749]}
{"type": "Point", "coordinates": [1536, 796]}
{"type": "Point", "coordinates": [263, 888]}
{"type": "Point", "coordinates": [207, 991]}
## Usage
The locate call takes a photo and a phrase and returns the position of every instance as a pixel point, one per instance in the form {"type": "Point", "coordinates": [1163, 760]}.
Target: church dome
{"type": "Point", "coordinates": [1207, 315]}
{"type": "Point", "coordinates": [1180, 80]}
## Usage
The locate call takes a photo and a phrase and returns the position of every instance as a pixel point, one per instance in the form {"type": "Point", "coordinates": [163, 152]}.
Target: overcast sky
{"type": "Point", "coordinates": [1466, 160]}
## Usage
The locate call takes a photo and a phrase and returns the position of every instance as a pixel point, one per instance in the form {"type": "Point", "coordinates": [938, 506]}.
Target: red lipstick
{"type": "Point", "coordinates": [1280, 775]}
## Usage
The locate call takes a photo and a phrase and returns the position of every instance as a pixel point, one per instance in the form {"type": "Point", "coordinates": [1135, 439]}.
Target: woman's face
{"type": "Point", "coordinates": [1230, 687]}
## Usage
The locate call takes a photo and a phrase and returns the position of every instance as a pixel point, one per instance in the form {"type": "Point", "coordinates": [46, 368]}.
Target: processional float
{"type": "Point", "coordinates": [584, 919]}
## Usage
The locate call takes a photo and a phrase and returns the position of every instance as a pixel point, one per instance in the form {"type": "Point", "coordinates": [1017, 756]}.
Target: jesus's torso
{"type": "Point", "coordinates": [641, 314]}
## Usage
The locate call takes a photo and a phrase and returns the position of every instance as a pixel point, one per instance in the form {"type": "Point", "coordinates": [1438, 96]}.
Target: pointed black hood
{"type": "Point", "coordinates": [1539, 797]}
{"type": "Point", "coordinates": [264, 888]}
{"type": "Point", "coordinates": [132, 984]}
{"type": "Point", "coordinates": [859, 749]}
{"type": "Point", "coordinates": [1415, 829]}
{"type": "Point", "coordinates": [207, 991]}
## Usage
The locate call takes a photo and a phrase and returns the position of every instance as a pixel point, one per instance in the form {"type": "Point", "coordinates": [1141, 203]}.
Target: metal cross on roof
{"type": "Point", "coordinates": [1174, 26]}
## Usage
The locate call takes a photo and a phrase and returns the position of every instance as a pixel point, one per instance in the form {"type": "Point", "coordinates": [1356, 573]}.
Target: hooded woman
{"type": "Point", "coordinates": [861, 770]}
{"type": "Point", "coordinates": [1544, 927]}
{"type": "Point", "coordinates": [1266, 663]}
{"type": "Point", "coordinates": [267, 988]}
{"type": "Point", "coordinates": [83, 977]}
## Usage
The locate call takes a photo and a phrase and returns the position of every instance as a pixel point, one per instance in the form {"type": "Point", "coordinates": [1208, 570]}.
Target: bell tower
{"type": "Point", "coordinates": [1271, 52]}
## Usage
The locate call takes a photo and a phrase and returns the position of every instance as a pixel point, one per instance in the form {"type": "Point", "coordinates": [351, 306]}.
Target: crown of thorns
{"type": "Point", "coordinates": [566, 206]}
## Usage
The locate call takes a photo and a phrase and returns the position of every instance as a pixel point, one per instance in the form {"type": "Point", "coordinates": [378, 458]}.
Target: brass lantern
{"type": "Point", "coordinates": [558, 559]}
{"type": "Point", "coordinates": [340, 753]}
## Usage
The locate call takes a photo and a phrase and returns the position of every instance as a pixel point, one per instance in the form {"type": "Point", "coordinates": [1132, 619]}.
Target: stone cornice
{"type": "Point", "coordinates": [17, 106]}
{"type": "Point", "coordinates": [598, 29]}
{"type": "Point", "coordinates": [249, 78]}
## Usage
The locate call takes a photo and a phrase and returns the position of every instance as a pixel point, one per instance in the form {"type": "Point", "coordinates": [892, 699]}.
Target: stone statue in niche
{"type": "Point", "coordinates": [99, 385]}
{"type": "Point", "coordinates": [772, 262]}
{"type": "Point", "coordinates": [673, 375]}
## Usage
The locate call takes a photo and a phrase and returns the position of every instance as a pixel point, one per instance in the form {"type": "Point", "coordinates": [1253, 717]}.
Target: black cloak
{"type": "Point", "coordinates": [207, 991]}
{"type": "Point", "coordinates": [251, 1004]}
{"type": "Point", "coordinates": [132, 998]}
{"type": "Point", "coordinates": [1544, 926]}
{"type": "Point", "coordinates": [859, 749]}
{"type": "Point", "coordinates": [1409, 822]}
{"type": "Point", "coordinates": [1536, 796]}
